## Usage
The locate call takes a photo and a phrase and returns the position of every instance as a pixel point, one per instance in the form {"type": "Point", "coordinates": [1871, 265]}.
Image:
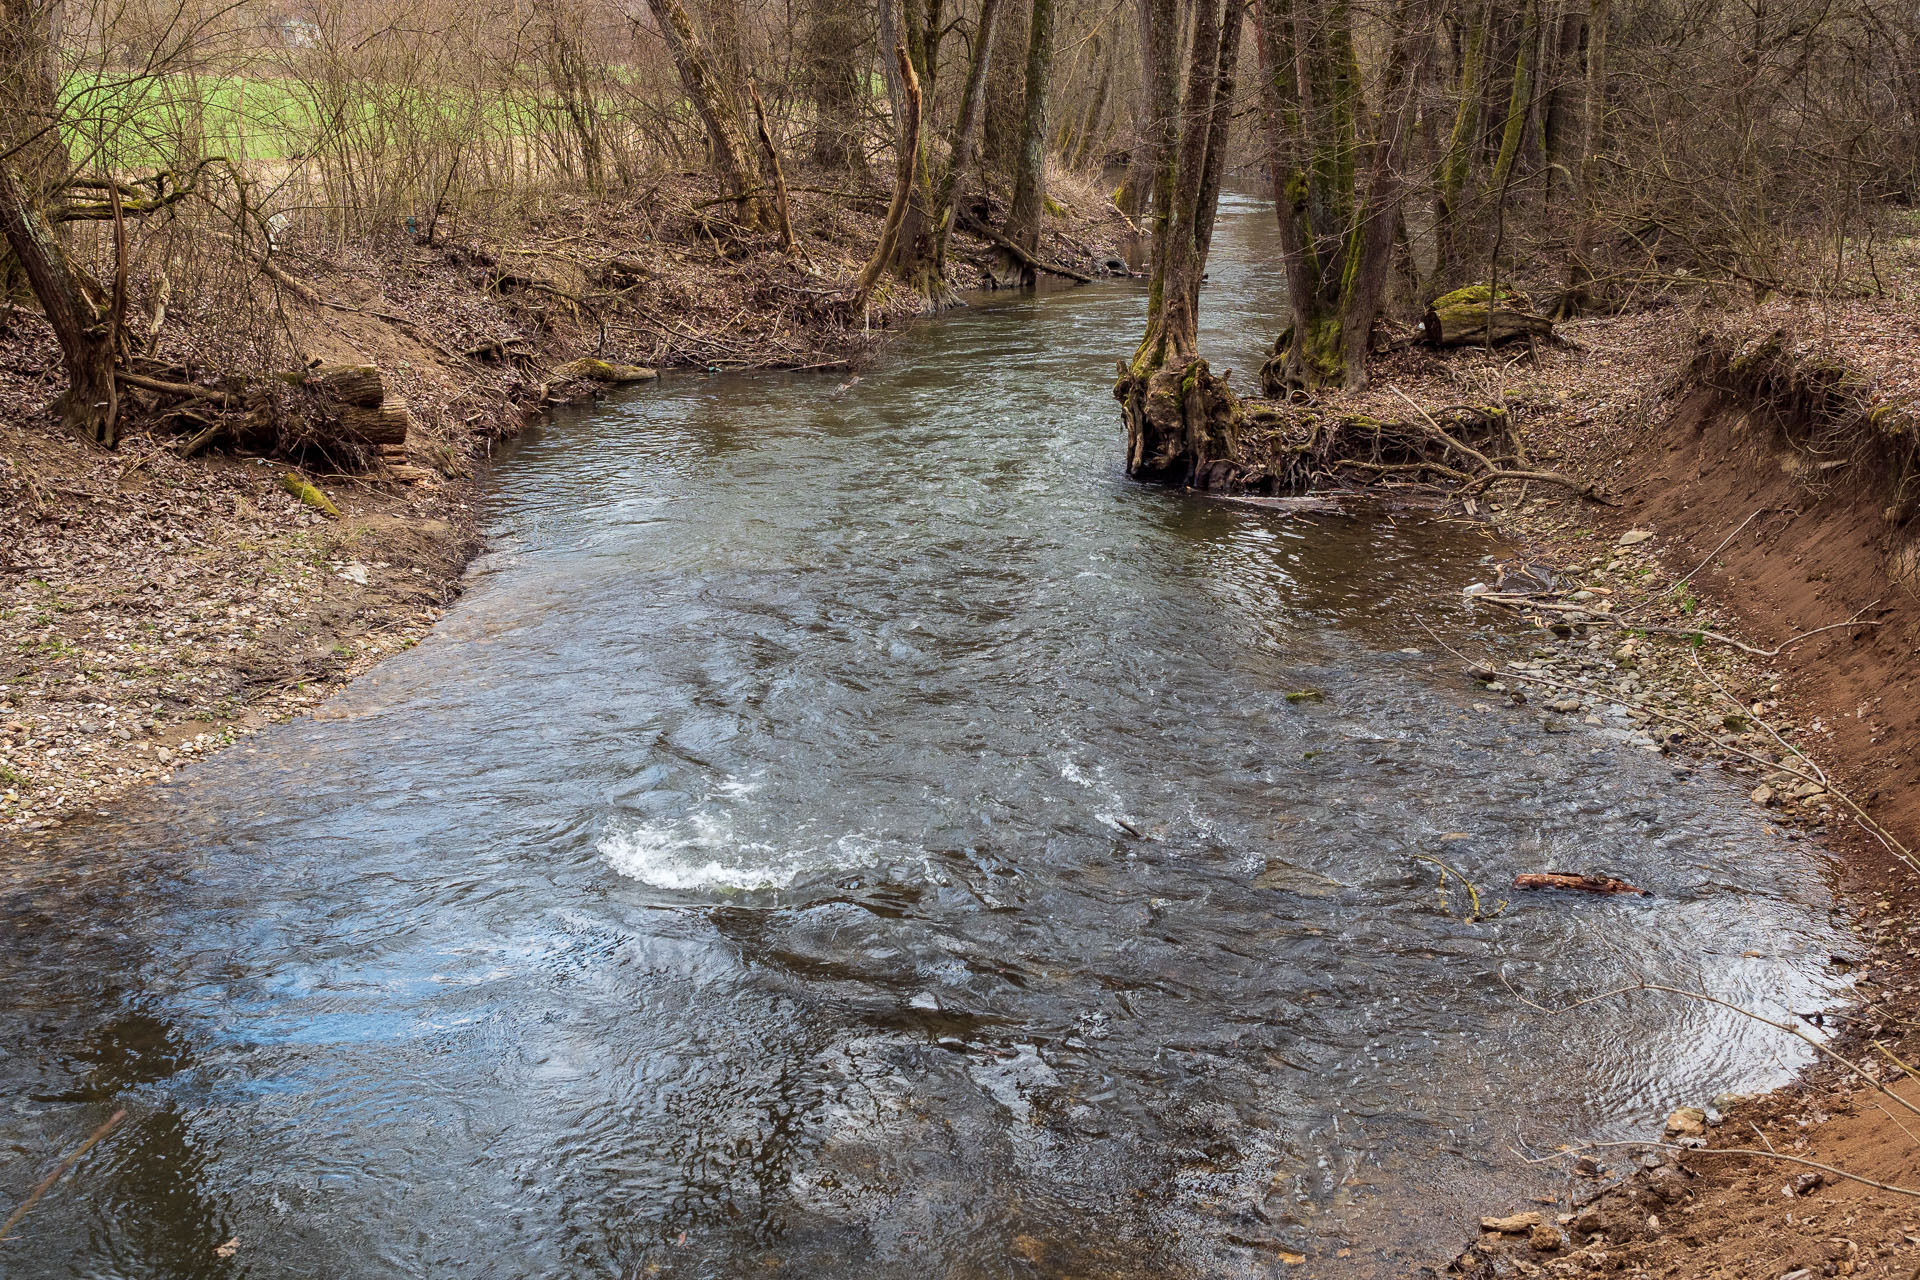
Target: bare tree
{"type": "Point", "coordinates": [1030, 166]}
{"type": "Point", "coordinates": [718, 105]}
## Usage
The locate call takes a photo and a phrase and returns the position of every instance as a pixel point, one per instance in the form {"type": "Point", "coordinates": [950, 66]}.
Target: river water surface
{"type": "Point", "coordinates": [852, 831]}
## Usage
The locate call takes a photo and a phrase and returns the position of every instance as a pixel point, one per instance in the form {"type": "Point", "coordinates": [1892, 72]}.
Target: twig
{"type": "Point", "coordinates": [1703, 564]}
{"type": "Point", "coordinates": [1816, 1045]}
{"type": "Point", "coordinates": [59, 1171]}
{"type": "Point", "coordinates": [1867, 823]}
{"type": "Point", "coordinates": [1730, 1151]}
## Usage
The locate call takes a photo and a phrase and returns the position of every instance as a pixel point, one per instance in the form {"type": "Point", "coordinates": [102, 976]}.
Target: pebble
{"type": "Point", "coordinates": [1687, 1121]}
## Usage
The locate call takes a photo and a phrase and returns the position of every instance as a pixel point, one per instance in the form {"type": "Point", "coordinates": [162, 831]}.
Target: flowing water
{"type": "Point", "coordinates": [850, 830]}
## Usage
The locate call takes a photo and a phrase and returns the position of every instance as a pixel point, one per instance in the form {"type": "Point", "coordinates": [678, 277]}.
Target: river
{"type": "Point", "coordinates": [848, 829]}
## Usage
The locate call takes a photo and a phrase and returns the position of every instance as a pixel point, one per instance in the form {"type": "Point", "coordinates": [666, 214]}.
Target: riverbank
{"type": "Point", "coordinates": [1759, 472]}
{"type": "Point", "coordinates": [155, 608]}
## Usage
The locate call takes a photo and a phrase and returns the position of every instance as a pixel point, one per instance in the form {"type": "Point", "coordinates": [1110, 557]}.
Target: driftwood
{"type": "Point", "coordinates": [1472, 317]}
{"type": "Point", "coordinates": [1580, 882]}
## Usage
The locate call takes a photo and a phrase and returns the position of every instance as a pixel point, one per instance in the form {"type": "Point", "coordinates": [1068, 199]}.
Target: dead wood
{"type": "Point", "coordinates": [973, 226]}
{"type": "Point", "coordinates": [1474, 316]}
{"type": "Point", "coordinates": [1572, 880]}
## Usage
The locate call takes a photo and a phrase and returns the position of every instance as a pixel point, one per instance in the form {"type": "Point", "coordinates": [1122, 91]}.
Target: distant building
{"type": "Point", "coordinates": [298, 33]}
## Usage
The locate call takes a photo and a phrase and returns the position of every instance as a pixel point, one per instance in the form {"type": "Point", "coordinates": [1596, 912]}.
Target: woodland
{"type": "Point", "coordinates": [177, 155]}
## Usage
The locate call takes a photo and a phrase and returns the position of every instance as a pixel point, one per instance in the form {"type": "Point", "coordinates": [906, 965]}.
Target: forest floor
{"type": "Point", "coordinates": [154, 608]}
{"type": "Point", "coordinates": [1796, 543]}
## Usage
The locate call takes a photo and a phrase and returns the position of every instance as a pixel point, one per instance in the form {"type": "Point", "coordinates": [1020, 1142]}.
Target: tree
{"type": "Point", "coordinates": [831, 76]}
{"type": "Point", "coordinates": [920, 247]}
{"type": "Point", "coordinates": [718, 104]}
{"type": "Point", "coordinates": [1338, 175]}
{"type": "Point", "coordinates": [1157, 127]}
{"type": "Point", "coordinates": [32, 165]}
{"type": "Point", "coordinates": [1181, 419]}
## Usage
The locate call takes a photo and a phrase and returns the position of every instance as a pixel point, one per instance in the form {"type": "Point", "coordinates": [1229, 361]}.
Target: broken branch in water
{"type": "Point", "coordinates": [1572, 880]}
{"type": "Point", "coordinates": [1478, 912]}
{"type": "Point", "coordinates": [59, 1171]}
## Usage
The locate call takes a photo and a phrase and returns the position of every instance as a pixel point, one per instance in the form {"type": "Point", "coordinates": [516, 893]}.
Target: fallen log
{"type": "Point", "coordinates": [1580, 882]}
{"type": "Point", "coordinates": [385, 423]}
{"type": "Point", "coordinates": [590, 370]}
{"type": "Point", "coordinates": [1472, 317]}
{"type": "Point", "coordinates": [349, 384]}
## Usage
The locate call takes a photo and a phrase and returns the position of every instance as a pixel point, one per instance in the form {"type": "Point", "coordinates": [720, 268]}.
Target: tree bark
{"type": "Point", "coordinates": [964, 144]}
{"type": "Point", "coordinates": [1028, 209]}
{"type": "Point", "coordinates": [90, 406]}
{"type": "Point", "coordinates": [1159, 95]}
{"type": "Point", "coordinates": [907, 152]}
{"type": "Point", "coordinates": [832, 80]}
{"type": "Point", "coordinates": [718, 108]}
{"type": "Point", "coordinates": [1577, 295]}
{"type": "Point", "coordinates": [30, 139]}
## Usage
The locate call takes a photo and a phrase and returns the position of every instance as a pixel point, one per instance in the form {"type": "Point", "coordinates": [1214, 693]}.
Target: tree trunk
{"type": "Point", "coordinates": [1159, 94]}
{"type": "Point", "coordinates": [1092, 127]}
{"type": "Point", "coordinates": [1336, 222]}
{"type": "Point", "coordinates": [1182, 421]}
{"type": "Point", "coordinates": [963, 145]}
{"type": "Point", "coordinates": [832, 79]}
{"type": "Point", "coordinates": [1577, 295]}
{"type": "Point", "coordinates": [1006, 91]}
{"type": "Point", "coordinates": [717, 105]}
{"type": "Point", "coordinates": [1028, 211]}
{"type": "Point", "coordinates": [1464, 140]}
{"type": "Point", "coordinates": [30, 139]}
{"type": "Point", "coordinates": [919, 248]}
{"type": "Point", "coordinates": [90, 406]}
{"type": "Point", "coordinates": [907, 153]}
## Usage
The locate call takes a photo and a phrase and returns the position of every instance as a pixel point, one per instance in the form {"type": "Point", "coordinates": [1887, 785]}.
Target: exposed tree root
{"type": "Point", "coordinates": [1182, 425]}
{"type": "Point", "coordinates": [1302, 448]}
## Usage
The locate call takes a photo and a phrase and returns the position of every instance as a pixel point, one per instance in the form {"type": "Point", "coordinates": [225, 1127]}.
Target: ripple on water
{"type": "Point", "coordinates": [857, 832]}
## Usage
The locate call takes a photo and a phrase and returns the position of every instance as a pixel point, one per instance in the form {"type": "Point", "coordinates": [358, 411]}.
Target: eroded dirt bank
{"type": "Point", "coordinates": [1762, 471]}
{"type": "Point", "coordinates": [154, 606]}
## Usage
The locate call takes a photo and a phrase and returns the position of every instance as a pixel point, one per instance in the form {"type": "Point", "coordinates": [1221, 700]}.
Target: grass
{"type": "Point", "coordinates": [136, 121]}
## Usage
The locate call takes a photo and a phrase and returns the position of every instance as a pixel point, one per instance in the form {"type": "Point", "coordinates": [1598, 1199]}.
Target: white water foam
{"type": "Point", "coordinates": [702, 853]}
{"type": "Point", "coordinates": [697, 854]}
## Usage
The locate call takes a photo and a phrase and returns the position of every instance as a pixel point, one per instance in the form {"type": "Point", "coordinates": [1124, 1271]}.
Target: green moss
{"type": "Point", "coordinates": [1306, 695]}
{"type": "Point", "coordinates": [308, 494]}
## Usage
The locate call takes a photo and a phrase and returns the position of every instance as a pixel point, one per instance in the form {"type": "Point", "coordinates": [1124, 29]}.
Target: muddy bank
{"type": "Point", "coordinates": [155, 607]}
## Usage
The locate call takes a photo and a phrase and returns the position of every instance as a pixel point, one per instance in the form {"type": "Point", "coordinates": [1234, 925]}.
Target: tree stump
{"type": "Point", "coordinates": [1183, 424]}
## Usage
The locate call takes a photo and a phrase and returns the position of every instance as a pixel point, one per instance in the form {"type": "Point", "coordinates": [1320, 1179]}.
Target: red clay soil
{"type": "Point", "coordinates": [1801, 551]}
